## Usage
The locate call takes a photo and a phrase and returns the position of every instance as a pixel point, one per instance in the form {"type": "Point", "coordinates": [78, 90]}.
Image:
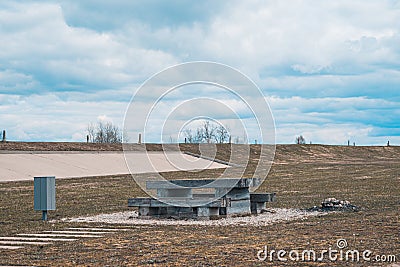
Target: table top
{"type": "Point", "coordinates": [204, 183]}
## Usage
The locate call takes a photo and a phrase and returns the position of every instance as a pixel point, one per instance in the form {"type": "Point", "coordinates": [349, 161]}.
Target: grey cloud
{"type": "Point", "coordinates": [90, 53]}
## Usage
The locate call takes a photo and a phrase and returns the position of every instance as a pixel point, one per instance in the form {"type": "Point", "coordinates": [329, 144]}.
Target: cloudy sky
{"type": "Point", "coordinates": [330, 70]}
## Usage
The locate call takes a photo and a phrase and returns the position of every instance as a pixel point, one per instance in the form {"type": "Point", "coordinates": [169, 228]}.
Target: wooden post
{"type": "Point", "coordinates": [140, 139]}
{"type": "Point", "coordinates": [4, 136]}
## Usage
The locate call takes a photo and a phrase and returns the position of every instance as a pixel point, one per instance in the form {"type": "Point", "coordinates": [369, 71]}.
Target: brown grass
{"type": "Point", "coordinates": [302, 176]}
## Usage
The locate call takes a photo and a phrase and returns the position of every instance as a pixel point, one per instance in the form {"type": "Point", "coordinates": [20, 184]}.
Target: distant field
{"type": "Point", "coordinates": [302, 176]}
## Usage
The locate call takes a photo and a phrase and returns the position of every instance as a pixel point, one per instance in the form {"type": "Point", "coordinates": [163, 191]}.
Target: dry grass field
{"type": "Point", "coordinates": [302, 176]}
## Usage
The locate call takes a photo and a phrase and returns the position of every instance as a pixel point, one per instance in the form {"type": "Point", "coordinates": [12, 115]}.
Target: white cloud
{"type": "Point", "coordinates": [329, 68]}
{"type": "Point", "coordinates": [275, 32]}
{"type": "Point", "coordinates": [46, 117]}
{"type": "Point", "coordinates": [337, 134]}
{"type": "Point", "coordinates": [335, 120]}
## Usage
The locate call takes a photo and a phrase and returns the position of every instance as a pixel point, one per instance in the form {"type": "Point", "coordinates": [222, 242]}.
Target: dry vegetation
{"type": "Point", "coordinates": [302, 175]}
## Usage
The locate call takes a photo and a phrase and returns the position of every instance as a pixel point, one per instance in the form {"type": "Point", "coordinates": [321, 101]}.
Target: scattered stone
{"type": "Point", "coordinates": [268, 211]}
{"type": "Point", "coordinates": [333, 204]}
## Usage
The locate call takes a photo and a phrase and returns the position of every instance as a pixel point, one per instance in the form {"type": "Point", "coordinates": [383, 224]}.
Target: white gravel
{"type": "Point", "coordinates": [131, 217]}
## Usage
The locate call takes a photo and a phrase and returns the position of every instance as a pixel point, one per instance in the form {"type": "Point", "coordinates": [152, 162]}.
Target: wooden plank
{"type": "Point", "coordinates": [10, 247]}
{"type": "Point", "coordinates": [182, 202]}
{"type": "Point", "coordinates": [203, 196]}
{"type": "Point", "coordinates": [204, 183]}
{"type": "Point", "coordinates": [262, 197]}
{"type": "Point", "coordinates": [238, 194]}
{"type": "Point", "coordinates": [59, 235]}
{"type": "Point", "coordinates": [239, 207]}
{"type": "Point", "coordinates": [11, 243]}
{"type": "Point", "coordinates": [163, 202]}
{"type": "Point", "coordinates": [257, 207]}
{"type": "Point", "coordinates": [36, 238]}
{"type": "Point", "coordinates": [136, 202]}
{"type": "Point", "coordinates": [161, 192]}
{"type": "Point", "coordinates": [99, 229]}
{"type": "Point", "coordinates": [206, 212]}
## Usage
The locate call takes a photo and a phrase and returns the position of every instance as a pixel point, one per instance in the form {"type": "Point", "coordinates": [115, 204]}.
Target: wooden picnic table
{"type": "Point", "coordinates": [203, 198]}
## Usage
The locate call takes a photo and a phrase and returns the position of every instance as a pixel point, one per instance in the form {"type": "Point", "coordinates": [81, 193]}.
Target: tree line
{"type": "Point", "coordinates": [103, 132]}
{"type": "Point", "coordinates": [208, 132]}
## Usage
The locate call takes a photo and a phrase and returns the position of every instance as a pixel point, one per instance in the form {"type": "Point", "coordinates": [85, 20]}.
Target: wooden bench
{"type": "Point", "coordinates": [202, 198]}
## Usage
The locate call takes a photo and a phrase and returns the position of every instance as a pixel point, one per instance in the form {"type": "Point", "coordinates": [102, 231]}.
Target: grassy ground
{"type": "Point", "coordinates": [302, 176]}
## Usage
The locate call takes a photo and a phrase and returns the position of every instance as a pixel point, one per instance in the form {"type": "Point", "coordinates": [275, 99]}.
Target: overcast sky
{"type": "Point", "coordinates": [330, 70]}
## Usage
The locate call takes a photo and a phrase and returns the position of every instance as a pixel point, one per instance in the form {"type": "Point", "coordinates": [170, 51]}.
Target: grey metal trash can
{"type": "Point", "coordinates": [44, 194]}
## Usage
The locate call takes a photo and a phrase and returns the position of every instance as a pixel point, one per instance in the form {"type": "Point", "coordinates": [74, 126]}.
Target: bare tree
{"type": "Point", "coordinates": [221, 134]}
{"type": "Point", "coordinates": [193, 137]}
{"type": "Point", "coordinates": [125, 138]}
{"type": "Point", "coordinates": [208, 132]}
{"type": "Point", "coordinates": [104, 132]}
{"type": "Point", "coordinates": [300, 140]}
{"type": "Point", "coordinates": [188, 135]}
{"type": "Point", "coordinates": [90, 131]}
{"type": "Point", "coordinates": [199, 137]}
